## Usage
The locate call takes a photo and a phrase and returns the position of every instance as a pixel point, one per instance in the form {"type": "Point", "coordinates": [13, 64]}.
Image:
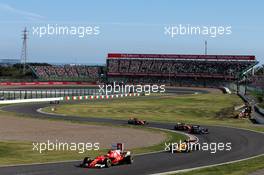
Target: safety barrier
{"type": "Point", "coordinates": [259, 116]}
{"type": "Point", "coordinates": [12, 94]}
{"type": "Point", "coordinates": [259, 110]}
{"type": "Point", "coordinates": [244, 98]}
{"type": "Point", "coordinates": [256, 107]}
{"type": "Point", "coordinates": [67, 98]}
{"type": "Point", "coordinates": [30, 100]}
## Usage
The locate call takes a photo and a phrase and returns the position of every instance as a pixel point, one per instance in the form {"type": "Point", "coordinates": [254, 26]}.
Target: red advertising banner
{"type": "Point", "coordinates": [176, 56]}
{"type": "Point", "coordinates": [45, 83]}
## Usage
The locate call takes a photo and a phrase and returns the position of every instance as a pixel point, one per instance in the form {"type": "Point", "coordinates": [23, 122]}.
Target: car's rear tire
{"type": "Point", "coordinates": [107, 163]}
{"type": "Point", "coordinates": [129, 159]}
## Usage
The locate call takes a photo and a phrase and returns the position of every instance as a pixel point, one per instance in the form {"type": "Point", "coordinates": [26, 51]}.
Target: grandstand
{"type": "Point", "coordinates": [185, 70]}
{"type": "Point", "coordinates": [67, 72]}
{"type": "Point", "coordinates": [178, 70]}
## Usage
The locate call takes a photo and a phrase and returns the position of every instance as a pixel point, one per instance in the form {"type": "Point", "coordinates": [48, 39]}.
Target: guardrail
{"type": "Point", "coordinates": [259, 109]}
{"type": "Point", "coordinates": [244, 98]}
{"type": "Point", "coordinates": [259, 116]}
{"type": "Point", "coordinates": [14, 94]}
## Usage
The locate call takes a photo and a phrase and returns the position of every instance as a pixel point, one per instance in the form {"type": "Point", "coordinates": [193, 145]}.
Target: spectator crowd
{"type": "Point", "coordinates": [67, 71]}
{"type": "Point", "coordinates": [178, 67]}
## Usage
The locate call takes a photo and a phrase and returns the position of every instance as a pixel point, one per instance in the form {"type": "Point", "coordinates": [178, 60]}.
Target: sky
{"type": "Point", "coordinates": [136, 26]}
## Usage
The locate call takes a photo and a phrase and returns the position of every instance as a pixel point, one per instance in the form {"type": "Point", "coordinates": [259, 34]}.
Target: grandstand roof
{"type": "Point", "coordinates": [182, 57]}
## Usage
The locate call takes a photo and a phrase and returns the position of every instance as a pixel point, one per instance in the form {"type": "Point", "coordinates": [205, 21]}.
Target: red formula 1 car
{"type": "Point", "coordinates": [113, 157]}
{"type": "Point", "coordinates": [182, 127]}
{"type": "Point", "coordinates": [136, 121]}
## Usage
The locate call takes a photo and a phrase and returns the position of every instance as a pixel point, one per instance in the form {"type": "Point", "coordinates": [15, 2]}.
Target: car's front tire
{"type": "Point", "coordinates": [86, 162]}
{"type": "Point", "coordinates": [129, 159]}
{"type": "Point", "coordinates": [107, 163]}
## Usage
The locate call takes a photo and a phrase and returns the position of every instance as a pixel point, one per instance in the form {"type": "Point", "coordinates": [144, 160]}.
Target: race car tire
{"type": "Point", "coordinates": [129, 159]}
{"type": "Point", "coordinates": [86, 161]}
{"type": "Point", "coordinates": [107, 163]}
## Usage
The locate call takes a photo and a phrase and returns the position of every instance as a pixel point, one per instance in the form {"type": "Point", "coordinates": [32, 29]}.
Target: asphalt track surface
{"type": "Point", "coordinates": [245, 144]}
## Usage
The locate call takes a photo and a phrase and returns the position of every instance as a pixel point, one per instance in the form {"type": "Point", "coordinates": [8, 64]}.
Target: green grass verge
{"type": "Point", "coordinates": [208, 109]}
{"type": "Point", "coordinates": [172, 137]}
{"type": "Point", "coordinates": [14, 152]}
{"type": "Point", "coordinates": [239, 168]}
{"type": "Point", "coordinates": [18, 152]}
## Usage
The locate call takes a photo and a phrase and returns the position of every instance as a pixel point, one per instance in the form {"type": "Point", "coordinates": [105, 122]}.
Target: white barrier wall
{"type": "Point", "coordinates": [68, 98]}
{"type": "Point", "coordinates": [30, 100]}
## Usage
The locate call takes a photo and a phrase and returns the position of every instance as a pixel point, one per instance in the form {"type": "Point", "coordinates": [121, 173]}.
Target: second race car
{"type": "Point", "coordinates": [136, 121]}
